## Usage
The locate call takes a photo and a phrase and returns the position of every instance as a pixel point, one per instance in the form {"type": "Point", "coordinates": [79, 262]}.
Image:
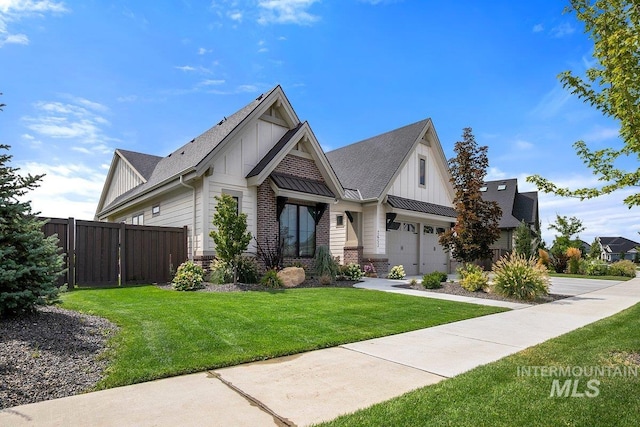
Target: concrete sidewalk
{"type": "Point", "coordinates": [320, 385]}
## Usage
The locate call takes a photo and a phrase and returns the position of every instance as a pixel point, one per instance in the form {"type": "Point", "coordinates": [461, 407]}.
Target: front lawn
{"type": "Point", "coordinates": [165, 333]}
{"type": "Point", "coordinates": [582, 276]}
{"type": "Point", "coordinates": [496, 395]}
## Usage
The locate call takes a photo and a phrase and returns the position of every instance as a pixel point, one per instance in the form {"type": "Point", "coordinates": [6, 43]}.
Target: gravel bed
{"type": "Point", "coordinates": [49, 354]}
{"type": "Point", "coordinates": [454, 288]}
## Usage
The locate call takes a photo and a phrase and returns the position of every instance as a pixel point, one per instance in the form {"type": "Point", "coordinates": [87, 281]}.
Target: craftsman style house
{"type": "Point", "coordinates": [383, 200]}
{"type": "Point", "coordinates": [262, 155]}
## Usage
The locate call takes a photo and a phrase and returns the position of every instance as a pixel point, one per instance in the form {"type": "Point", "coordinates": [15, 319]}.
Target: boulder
{"type": "Point", "coordinates": [291, 276]}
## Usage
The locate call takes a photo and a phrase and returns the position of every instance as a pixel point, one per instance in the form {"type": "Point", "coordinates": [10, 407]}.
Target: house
{"type": "Point", "coordinates": [516, 207]}
{"type": "Point", "coordinates": [262, 155]}
{"type": "Point", "coordinates": [398, 199]}
{"type": "Point", "coordinates": [618, 248]}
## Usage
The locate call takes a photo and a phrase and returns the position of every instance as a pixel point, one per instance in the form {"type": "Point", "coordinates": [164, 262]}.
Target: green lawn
{"type": "Point", "coordinates": [165, 333]}
{"type": "Point", "coordinates": [495, 395]}
{"type": "Point", "coordinates": [582, 276]}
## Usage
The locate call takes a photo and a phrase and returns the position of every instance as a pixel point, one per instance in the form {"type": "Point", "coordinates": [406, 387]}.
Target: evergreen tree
{"type": "Point", "coordinates": [476, 226]}
{"type": "Point", "coordinates": [524, 242]}
{"type": "Point", "coordinates": [30, 263]}
{"type": "Point", "coordinates": [596, 249]}
{"type": "Point", "coordinates": [231, 236]}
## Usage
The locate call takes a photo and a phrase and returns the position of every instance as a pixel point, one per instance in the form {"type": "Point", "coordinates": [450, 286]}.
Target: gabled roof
{"type": "Point", "coordinates": [618, 244]}
{"type": "Point", "coordinates": [275, 150]}
{"type": "Point", "coordinates": [192, 155]}
{"type": "Point", "coordinates": [143, 163]}
{"type": "Point", "coordinates": [516, 207]}
{"type": "Point", "coordinates": [371, 164]}
{"type": "Point", "coordinates": [422, 207]}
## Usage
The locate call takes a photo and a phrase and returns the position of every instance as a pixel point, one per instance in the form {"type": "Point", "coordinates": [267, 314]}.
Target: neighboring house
{"type": "Point", "coordinates": [262, 155]}
{"type": "Point", "coordinates": [585, 247]}
{"type": "Point", "coordinates": [398, 198]}
{"type": "Point", "coordinates": [614, 247]}
{"type": "Point", "coordinates": [516, 207]}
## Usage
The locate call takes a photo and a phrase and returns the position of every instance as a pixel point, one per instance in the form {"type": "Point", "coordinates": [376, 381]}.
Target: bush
{"type": "Point", "coordinates": [324, 263]}
{"type": "Point", "coordinates": [596, 268]}
{"type": "Point", "coordinates": [543, 258]}
{"type": "Point", "coordinates": [189, 277]}
{"type": "Point", "coordinates": [370, 270]}
{"type": "Point", "coordinates": [473, 277]}
{"type": "Point", "coordinates": [271, 279]}
{"type": "Point", "coordinates": [520, 278]}
{"type": "Point", "coordinates": [574, 255]}
{"type": "Point", "coordinates": [433, 280]}
{"type": "Point", "coordinates": [624, 268]}
{"type": "Point", "coordinates": [247, 270]}
{"type": "Point", "coordinates": [325, 280]}
{"type": "Point", "coordinates": [220, 272]}
{"type": "Point", "coordinates": [397, 272]}
{"type": "Point", "coordinates": [352, 271]}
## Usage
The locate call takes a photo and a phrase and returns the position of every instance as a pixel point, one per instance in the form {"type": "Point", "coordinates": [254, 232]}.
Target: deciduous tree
{"type": "Point", "coordinates": [612, 86]}
{"type": "Point", "coordinates": [476, 226]}
{"type": "Point", "coordinates": [230, 236]}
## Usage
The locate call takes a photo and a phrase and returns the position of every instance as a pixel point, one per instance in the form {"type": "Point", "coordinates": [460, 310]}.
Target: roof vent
{"type": "Point", "coordinates": [502, 187]}
{"type": "Point", "coordinates": [182, 153]}
{"type": "Point", "coordinates": [260, 97]}
{"type": "Point", "coordinates": [224, 119]}
{"type": "Point", "coordinates": [192, 141]}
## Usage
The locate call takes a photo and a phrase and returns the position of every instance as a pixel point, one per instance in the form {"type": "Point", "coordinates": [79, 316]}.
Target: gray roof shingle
{"type": "Point", "coordinates": [618, 244]}
{"type": "Point", "coordinates": [422, 207]}
{"type": "Point", "coordinates": [190, 155]}
{"type": "Point", "coordinates": [369, 165]}
{"type": "Point", "coordinates": [143, 163]}
{"type": "Point", "coordinates": [302, 185]}
{"type": "Point", "coordinates": [516, 207]}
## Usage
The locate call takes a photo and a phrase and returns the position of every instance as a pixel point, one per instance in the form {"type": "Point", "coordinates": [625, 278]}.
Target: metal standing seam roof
{"type": "Point", "coordinates": [302, 185]}
{"type": "Point", "coordinates": [369, 165]}
{"type": "Point", "coordinates": [192, 153]}
{"type": "Point", "coordinates": [422, 207]}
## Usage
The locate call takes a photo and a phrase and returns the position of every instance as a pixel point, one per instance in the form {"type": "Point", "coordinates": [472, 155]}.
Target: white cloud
{"type": "Point", "coordinates": [28, 137]}
{"type": "Point", "coordinates": [189, 68]}
{"type": "Point", "coordinates": [551, 103]}
{"type": "Point", "coordinates": [538, 28]}
{"type": "Point", "coordinates": [523, 145]}
{"type": "Point", "coordinates": [203, 51]}
{"type": "Point", "coordinates": [286, 12]}
{"type": "Point", "coordinates": [16, 10]}
{"type": "Point", "coordinates": [235, 15]}
{"type": "Point", "coordinates": [185, 68]}
{"type": "Point", "coordinates": [601, 134]}
{"type": "Point", "coordinates": [211, 82]}
{"type": "Point", "coordinates": [263, 50]}
{"type": "Point", "coordinates": [127, 98]}
{"type": "Point", "coordinates": [562, 30]}
{"type": "Point", "coordinates": [67, 190]}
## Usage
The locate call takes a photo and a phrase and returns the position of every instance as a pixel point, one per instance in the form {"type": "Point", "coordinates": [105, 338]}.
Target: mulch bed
{"type": "Point", "coordinates": [244, 287]}
{"type": "Point", "coordinates": [454, 288]}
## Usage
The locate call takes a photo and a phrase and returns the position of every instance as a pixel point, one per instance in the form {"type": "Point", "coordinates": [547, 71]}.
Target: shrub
{"type": "Point", "coordinates": [324, 263]}
{"type": "Point", "coordinates": [325, 280]}
{"type": "Point", "coordinates": [189, 277]}
{"type": "Point", "coordinates": [559, 262]}
{"type": "Point", "coordinates": [543, 258]}
{"type": "Point", "coordinates": [220, 272]}
{"type": "Point", "coordinates": [352, 271]}
{"type": "Point", "coordinates": [433, 280]}
{"type": "Point", "coordinates": [413, 282]}
{"type": "Point", "coordinates": [596, 268]}
{"type": "Point", "coordinates": [247, 270]}
{"type": "Point", "coordinates": [624, 268]}
{"type": "Point", "coordinates": [271, 279]}
{"type": "Point", "coordinates": [473, 277]}
{"type": "Point", "coordinates": [574, 255]}
{"type": "Point", "coordinates": [370, 270]}
{"type": "Point", "coordinates": [397, 272]}
{"type": "Point", "coordinates": [519, 277]}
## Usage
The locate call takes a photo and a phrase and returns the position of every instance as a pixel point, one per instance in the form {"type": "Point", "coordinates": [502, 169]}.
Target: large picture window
{"type": "Point", "coordinates": [298, 230]}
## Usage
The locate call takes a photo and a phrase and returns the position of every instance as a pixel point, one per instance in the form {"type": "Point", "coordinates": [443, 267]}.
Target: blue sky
{"type": "Point", "coordinates": [83, 78]}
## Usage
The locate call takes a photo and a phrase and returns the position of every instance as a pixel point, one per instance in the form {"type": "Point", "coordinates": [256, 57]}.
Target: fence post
{"type": "Point", "coordinates": [71, 253]}
{"type": "Point", "coordinates": [122, 254]}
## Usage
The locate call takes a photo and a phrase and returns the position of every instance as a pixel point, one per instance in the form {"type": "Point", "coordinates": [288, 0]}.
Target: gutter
{"type": "Point", "coordinates": [193, 220]}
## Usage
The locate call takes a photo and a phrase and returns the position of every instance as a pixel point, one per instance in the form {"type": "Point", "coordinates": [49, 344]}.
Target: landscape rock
{"type": "Point", "coordinates": [291, 276]}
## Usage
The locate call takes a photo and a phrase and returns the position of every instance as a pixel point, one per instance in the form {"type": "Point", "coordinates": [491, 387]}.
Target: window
{"type": "Point", "coordinates": [409, 227]}
{"type": "Point", "coordinates": [483, 189]}
{"type": "Point", "coordinates": [502, 187]}
{"type": "Point", "coordinates": [427, 229]}
{"type": "Point", "coordinates": [138, 219]}
{"type": "Point", "coordinates": [155, 211]}
{"type": "Point", "coordinates": [440, 230]}
{"type": "Point", "coordinates": [298, 230]}
{"type": "Point", "coordinates": [237, 200]}
{"type": "Point", "coordinates": [422, 180]}
{"type": "Point", "coordinates": [339, 220]}
{"type": "Point", "coordinates": [237, 197]}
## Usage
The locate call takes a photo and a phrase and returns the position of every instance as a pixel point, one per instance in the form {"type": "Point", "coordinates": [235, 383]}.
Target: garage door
{"type": "Point", "coordinates": [402, 247]}
{"type": "Point", "coordinates": [434, 258]}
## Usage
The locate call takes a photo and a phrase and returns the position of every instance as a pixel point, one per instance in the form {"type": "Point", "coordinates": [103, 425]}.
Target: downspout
{"type": "Point", "coordinates": [193, 220]}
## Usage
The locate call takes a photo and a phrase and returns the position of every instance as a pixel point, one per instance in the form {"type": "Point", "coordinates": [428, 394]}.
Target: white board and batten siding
{"type": "Point", "coordinates": [124, 179]}
{"type": "Point", "coordinates": [406, 183]}
{"type": "Point", "coordinates": [337, 234]}
{"type": "Point", "coordinates": [374, 230]}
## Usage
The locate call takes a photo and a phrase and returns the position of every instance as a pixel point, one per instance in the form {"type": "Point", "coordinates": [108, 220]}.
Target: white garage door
{"type": "Point", "coordinates": [434, 258]}
{"type": "Point", "coordinates": [402, 247]}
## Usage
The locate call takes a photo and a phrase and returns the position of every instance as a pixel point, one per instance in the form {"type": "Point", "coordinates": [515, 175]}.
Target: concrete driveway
{"type": "Point", "coordinates": [572, 287]}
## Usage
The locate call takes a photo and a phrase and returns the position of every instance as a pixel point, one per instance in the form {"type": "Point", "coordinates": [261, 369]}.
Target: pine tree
{"type": "Point", "coordinates": [476, 226]}
{"type": "Point", "coordinates": [30, 263]}
{"type": "Point", "coordinates": [231, 236]}
{"type": "Point", "coordinates": [596, 249]}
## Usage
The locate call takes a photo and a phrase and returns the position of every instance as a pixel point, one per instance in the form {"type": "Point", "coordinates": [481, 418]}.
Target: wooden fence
{"type": "Point", "coordinates": [106, 254]}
